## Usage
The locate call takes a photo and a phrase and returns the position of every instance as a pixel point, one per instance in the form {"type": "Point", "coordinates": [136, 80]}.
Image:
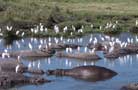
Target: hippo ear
{"type": "Point", "coordinates": [49, 72]}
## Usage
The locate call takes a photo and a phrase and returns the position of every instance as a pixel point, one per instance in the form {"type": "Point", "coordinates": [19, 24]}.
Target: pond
{"type": "Point", "coordinates": [126, 67]}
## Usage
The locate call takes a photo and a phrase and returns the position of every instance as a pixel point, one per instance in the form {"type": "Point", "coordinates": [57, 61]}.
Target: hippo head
{"type": "Point", "coordinates": [57, 72]}
{"type": "Point", "coordinates": [48, 50]}
{"type": "Point", "coordinates": [132, 86]}
{"type": "Point", "coordinates": [108, 74]}
{"type": "Point", "coordinates": [38, 80]}
{"type": "Point", "coordinates": [22, 68]}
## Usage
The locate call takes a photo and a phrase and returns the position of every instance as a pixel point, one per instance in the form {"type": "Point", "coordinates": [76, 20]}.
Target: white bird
{"type": "Point", "coordinates": [73, 27]}
{"type": "Point", "coordinates": [71, 33]}
{"type": "Point", "coordinates": [49, 39]}
{"type": "Point", "coordinates": [90, 40]}
{"type": "Point", "coordinates": [85, 49]}
{"type": "Point", "coordinates": [93, 50]}
{"type": "Point", "coordinates": [95, 41]}
{"type": "Point", "coordinates": [66, 62]}
{"type": "Point", "coordinates": [9, 28]}
{"type": "Point", "coordinates": [56, 41]}
{"type": "Point", "coordinates": [111, 49]}
{"type": "Point", "coordinates": [30, 46]}
{"type": "Point", "coordinates": [100, 27]}
{"type": "Point", "coordinates": [125, 44]}
{"type": "Point", "coordinates": [32, 30]}
{"type": "Point", "coordinates": [22, 34]}
{"type": "Point", "coordinates": [33, 64]}
{"type": "Point", "coordinates": [19, 58]}
{"type": "Point", "coordinates": [84, 63]}
{"type": "Point", "coordinates": [80, 30]}
{"type": "Point", "coordinates": [5, 53]}
{"type": "Point", "coordinates": [41, 41]}
{"type": "Point", "coordinates": [102, 38]}
{"type": "Point", "coordinates": [136, 22]}
{"type": "Point", "coordinates": [38, 65]}
{"type": "Point", "coordinates": [136, 39]}
{"type": "Point", "coordinates": [116, 22]}
{"type": "Point", "coordinates": [17, 32]}
{"type": "Point", "coordinates": [1, 34]}
{"type": "Point", "coordinates": [78, 49]}
{"type": "Point", "coordinates": [17, 68]}
{"type": "Point", "coordinates": [128, 40]}
{"type": "Point", "coordinates": [92, 25]}
{"type": "Point", "coordinates": [65, 29]}
{"type": "Point", "coordinates": [61, 38]}
{"type": "Point", "coordinates": [105, 47]}
{"type": "Point", "coordinates": [56, 28]}
{"type": "Point", "coordinates": [67, 50]}
{"type": "Point", "coordinates": [82, 27]}
{"type": "Point", "coordinates": [49, 44]}
{"type": "Point", "coordinates": [29, 65]}
{"type": "Point", "coordinates": [41, 27]}
{"type": "Point", "coordinates": [114, 26]}
{"type": "Point", "coordinates": [40, 46]}
{"type": "Point", "coordinates": [46, 30]}
{"type": "Point", "coordinates": [70, 49]}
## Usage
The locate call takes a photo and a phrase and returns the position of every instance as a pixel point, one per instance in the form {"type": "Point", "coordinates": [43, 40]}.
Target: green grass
{"type": "Point", "coordinates": [35, 10]}
{"type": "Point", "coordinates": [68, 12]}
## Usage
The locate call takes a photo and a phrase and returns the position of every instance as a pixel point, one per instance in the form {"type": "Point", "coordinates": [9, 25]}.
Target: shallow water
{"type": "Point", "coordinates": [126, 67]}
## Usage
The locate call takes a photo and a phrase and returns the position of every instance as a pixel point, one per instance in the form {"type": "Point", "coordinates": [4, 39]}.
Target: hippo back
{"type": "Point", "coordinates": [93, 73]}
{"type": "Point", "coordinates": [9, 65]}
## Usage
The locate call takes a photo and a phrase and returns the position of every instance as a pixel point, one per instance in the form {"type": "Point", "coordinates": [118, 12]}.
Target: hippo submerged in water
{"type": "Point", "coordinates": [88, 73]}
{"type": "Point", "coordinates": [132, 86]}
{"type": "Point", "coordinates": [118, 52]}
{"type": "Point", "coordinates": [11, 79]}
{"type": "Point", "coordinates": [60, 46]}
{"type": "Point", "coordinates": [12, 74]}
{"type": "Point", "coordinates": [33, 53]}
{"type": "Point", "coordinates": [10, 65]}
{"type": "Point", "coordinates": [82, 56]}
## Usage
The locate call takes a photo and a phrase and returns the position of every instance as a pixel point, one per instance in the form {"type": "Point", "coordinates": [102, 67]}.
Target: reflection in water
{"type": "Point", "coordinates": [33, 43]}
{"type": "Point", "coordinates": [8, 42]}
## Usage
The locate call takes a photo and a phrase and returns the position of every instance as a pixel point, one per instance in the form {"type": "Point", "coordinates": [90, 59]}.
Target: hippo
{"type": "Point", "coordinates": [61, 46]}
{"type": "Point", "coordinates": [10, 66]}
{"type": "Point", "coordinates": [98, 46]}
{"type": "Point", "coordinates": [132, 48]}
{"type": "Point", "coordinates": [82, 56]}
{"type": "Point", "coordinates": [132, 86]}
{"type": "Point", "coordinates": [118, 52]}
{"type": "Point", "coordinates": [88, 73]}
{"type": "Point", "coordinates": [11, 79]}
{"type": "Point", "coordinates": [33, 53]}
{"type": "Point", "coordinates": [11, 76]}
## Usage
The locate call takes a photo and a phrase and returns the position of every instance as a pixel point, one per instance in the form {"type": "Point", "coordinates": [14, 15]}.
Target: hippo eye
{"type": "Point", "coordinates": [5, 79]}
{"type": "Point", "coordinates": [136, 84]}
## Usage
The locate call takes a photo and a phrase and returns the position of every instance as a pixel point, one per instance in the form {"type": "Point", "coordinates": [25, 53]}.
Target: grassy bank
{"type": "Point", "coordinates": [24, 14]}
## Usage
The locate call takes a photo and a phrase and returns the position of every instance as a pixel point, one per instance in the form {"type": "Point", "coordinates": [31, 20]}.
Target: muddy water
{"type": "Point", "coordinates": [127, 67]}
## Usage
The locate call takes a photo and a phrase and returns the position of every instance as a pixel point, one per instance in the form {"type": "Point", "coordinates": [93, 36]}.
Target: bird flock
{"type": "Point", "coordinates": [41, 29]}
{"type": "Point", "coordinates": [34, 43]}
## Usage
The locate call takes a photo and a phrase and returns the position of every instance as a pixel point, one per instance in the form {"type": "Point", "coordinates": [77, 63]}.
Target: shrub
{"type": "Point", "coordinates": [134, 29]}
{"type": "Point", "coordinates": [2, 6]}
{"type": "Point", "coordinates": [55, 17]}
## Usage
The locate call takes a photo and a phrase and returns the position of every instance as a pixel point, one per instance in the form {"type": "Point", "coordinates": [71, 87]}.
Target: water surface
{"type": "Point", "coordinates": [127, 67]}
